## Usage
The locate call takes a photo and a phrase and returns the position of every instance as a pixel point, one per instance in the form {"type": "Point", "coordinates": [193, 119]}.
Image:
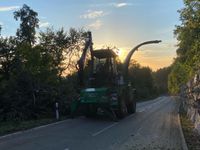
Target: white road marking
{"type": "Point", "coordinates": [104, 129]}
{"type": "Point", "coordinates": [110, 126]}
{"type": "Point", "coordinates": [66, 149]}
{"type": "Point", "coordinates": [149, 106]}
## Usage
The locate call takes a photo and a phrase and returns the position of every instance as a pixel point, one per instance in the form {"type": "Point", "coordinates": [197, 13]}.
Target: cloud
{"type": "Point", "coordinates": [43, 24]}
{"type": "Point", "coordinates": [42, 17]}
{"type": "Point", "coordinates": [118, 5]}
{"type": "Point", "coordinates": [96, 25]}
{"type": "Point", "coordinates": [8, 8]}
{"type": "Point", "coordinates": [93, 14]}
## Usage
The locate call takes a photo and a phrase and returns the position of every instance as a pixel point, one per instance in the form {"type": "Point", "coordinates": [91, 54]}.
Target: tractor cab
{"type": "Point", "coordinates": [104, 68]}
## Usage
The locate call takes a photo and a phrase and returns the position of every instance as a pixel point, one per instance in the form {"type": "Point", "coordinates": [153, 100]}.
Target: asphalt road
{"type": "Point", "coordinates": [154, 126]}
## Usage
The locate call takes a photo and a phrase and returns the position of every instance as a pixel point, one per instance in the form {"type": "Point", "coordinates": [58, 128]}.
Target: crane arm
{"type": "Point", "coordinates": [81, 61]}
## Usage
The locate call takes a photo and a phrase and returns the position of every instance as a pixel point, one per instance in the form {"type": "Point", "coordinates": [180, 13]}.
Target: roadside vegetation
{"type": "Point", "coordinates": [148, 84]}
{"type": "Point", "coordinates": [187, 61]}
{"type": "Point", "coordinates": [32, 69]}
{"type": "Point", "coordinates": [192, 137]}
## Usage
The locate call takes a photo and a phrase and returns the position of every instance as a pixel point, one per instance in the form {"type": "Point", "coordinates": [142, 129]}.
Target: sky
{"type": "Point", "coordinates": [120, 23]}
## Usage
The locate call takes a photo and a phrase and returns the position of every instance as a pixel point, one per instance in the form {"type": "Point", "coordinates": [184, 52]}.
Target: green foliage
{"type": "Point", "coordinates": [188, 32]}
{"type": "Point", "coordinates": [141, 78]}
{"type": "Point", "coordinates": [188, 35]}
{"type": "Point", "coordinates": [7, 50]}
{"type": "Point", "coordinates": [32, 75]}
{"type": "Point", "coordinates": [161, 80]}
{"type": "Point", "coordinates": [29, 23]}
{"type": "Point", "coordinates": [148, 83]}
{"type": "Point", "coordinates": [0, 29]}
{"type": "Point", "coordinates": [179, 75]}
{"type": "Point", "coordinates": [63, 48]}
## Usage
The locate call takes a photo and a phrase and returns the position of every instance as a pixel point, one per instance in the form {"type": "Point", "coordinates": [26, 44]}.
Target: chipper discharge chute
{"type": "Point", "coordinates": [107, 88]}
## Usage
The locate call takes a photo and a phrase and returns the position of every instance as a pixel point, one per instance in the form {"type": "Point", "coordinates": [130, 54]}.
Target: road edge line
{"type": "Point", "coordinates": [184, 145]}
{"type": "Point", "coordinates": [32, 129]}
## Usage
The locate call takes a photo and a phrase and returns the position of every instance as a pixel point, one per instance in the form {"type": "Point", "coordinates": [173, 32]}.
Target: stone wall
{"type": "Point", "coordinates": [190, 95]}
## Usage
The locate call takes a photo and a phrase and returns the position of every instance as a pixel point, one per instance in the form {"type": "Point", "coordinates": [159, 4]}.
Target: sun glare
{"type": "Point", "coordinates": [121, 54]}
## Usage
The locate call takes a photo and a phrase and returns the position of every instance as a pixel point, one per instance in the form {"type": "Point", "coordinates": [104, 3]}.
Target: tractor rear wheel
{"type": "Point", "coordinates": [122, 111]}
{"type": "Point", "coordinates": [131, 107]}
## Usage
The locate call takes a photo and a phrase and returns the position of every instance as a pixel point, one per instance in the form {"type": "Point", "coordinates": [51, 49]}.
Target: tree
{"type": "Point", "coordinates": [76, 40]}
{"type": "Point", "coordinates": [29, 23]}
{"type": "Point", "coordinates": [141, 78]}
{"type": "Point", "coordinates": [54, 43]}
{"type": "Point", "coordinates": [0, 29]}
{"type": "Point", "coordinates": [65, 49]}
{"type": "Point", "coordinates": [7, 50]}
{"type": "Point", "coordinates": [188, 32]}
{"type": "Point", "coordinates": [188, 35]}
{"type": "Point", "coordinates": [161, 79]}
{"type": "Point", "coordinates": [178, 76]}
{"type": "Point", "coordinates": [32, 75]}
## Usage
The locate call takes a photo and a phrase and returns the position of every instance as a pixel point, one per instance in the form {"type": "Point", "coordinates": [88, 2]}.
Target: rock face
{"type": "Point", "coordinates": [190, 95]}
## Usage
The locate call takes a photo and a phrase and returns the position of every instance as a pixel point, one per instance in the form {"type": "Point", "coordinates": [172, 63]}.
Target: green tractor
{"type": "Point", "coordinates": [107, 89]}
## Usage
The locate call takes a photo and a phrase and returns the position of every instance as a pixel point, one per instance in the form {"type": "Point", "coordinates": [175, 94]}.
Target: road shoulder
{"type": "Point", "coordinates": [192, 137]}
{"type": "Point", "coordinates": [30, 129]}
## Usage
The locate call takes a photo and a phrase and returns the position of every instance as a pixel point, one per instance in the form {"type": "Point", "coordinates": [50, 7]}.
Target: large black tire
{"type": "Point", "coordinates": [134, 106]}
{"type": "Point", "coordinates": [122, 111]}
{"type": "Point", "coordinates": [131, 107]}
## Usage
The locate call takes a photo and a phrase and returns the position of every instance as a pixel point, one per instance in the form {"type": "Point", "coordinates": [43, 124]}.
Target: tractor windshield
{"type": "Point", "coordinates": [104, 69]}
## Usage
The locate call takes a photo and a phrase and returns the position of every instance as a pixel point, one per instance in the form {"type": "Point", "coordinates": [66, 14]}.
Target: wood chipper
{"type": "Point", "coordinates": [107, 88]}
